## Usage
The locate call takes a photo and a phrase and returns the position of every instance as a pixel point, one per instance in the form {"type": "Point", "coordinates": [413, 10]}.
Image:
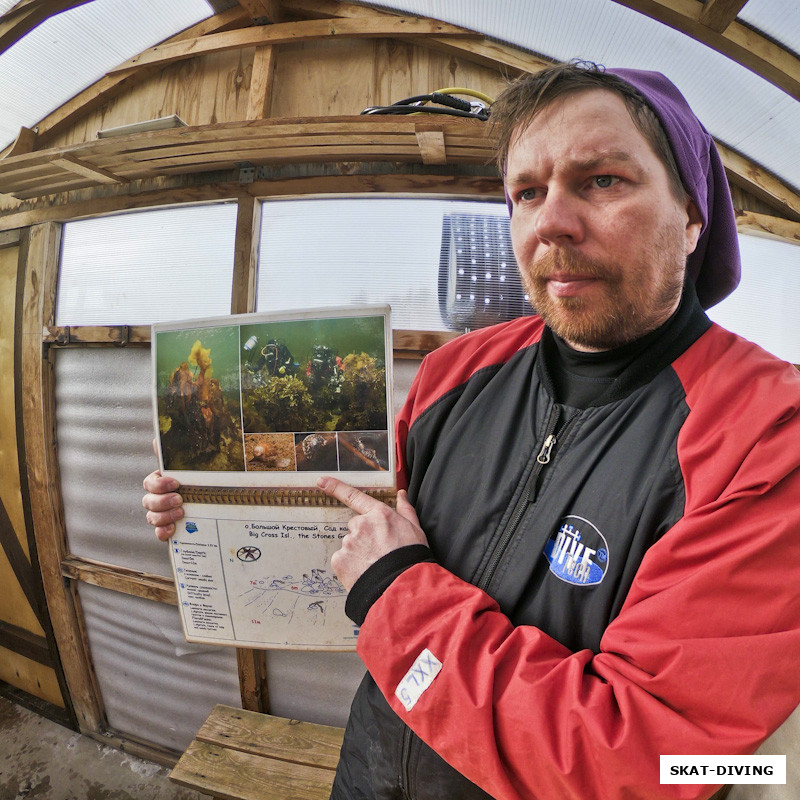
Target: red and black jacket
{"type": "Point", "coordinates": [603, 585]}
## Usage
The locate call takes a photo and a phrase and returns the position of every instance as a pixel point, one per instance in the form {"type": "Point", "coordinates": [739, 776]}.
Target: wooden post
{"type": "Point", "coordinates": [41, 246]}
{"type": "Point", "coordinates": [245, 259]}
{"type": "Point", "coordinates": [252, 664]}
{"type": "Point", "coordinates": [253, 679]}
{"type": "Point", "coordinates": [260, 97]}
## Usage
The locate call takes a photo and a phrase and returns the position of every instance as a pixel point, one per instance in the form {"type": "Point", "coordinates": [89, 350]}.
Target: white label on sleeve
{"type": "Point", "coordinates": [418, 679]}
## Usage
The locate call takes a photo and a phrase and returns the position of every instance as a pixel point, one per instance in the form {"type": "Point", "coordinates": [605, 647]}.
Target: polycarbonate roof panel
{"type": "Point", "coordinates": [738, 107]}
{"type": "Point", "coordinates": [72, 50]}
{"type": "Point", "coordinates": [779, 19]}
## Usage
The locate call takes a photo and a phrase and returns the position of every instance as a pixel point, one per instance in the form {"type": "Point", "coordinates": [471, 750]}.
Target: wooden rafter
{"type": "Point", "coordinates": [290, 32]}
{"type": "Point", "coordinates": [719, 14]}
{"type": "Point", "coordinates": [486, 52]}
{"type": "Point", "coordinates": [749, 48]}
{"type": "Point", "coordinates": [778, 228]}
{"type": "Point", "coordinates": [95, 174]}
{"type": "Point", "coordinates": [107, 87]}
{"type": "Point", "coordinates": [26, 15]}
{"type": "Point", "coordinates": [368, 138]}
{"type": "Point", "coordinates": [263, 11]}
{"type": "Point", "coordinates": [758, 181]}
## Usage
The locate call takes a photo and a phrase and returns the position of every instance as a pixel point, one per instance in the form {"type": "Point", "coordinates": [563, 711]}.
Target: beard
{"type": "Point", "coordinates": [634, 301]}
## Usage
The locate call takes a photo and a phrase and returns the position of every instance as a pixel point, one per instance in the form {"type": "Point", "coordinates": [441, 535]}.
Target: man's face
{"type": "Point", "coordinates": [600, 239]}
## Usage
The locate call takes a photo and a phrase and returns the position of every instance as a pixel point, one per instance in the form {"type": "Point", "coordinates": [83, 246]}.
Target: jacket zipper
{"type": "Point", "coordinates": [552, 434]}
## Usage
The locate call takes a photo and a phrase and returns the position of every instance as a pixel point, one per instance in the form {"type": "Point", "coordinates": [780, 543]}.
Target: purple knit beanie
{"type": "Point", "coordinates": [714, 266]}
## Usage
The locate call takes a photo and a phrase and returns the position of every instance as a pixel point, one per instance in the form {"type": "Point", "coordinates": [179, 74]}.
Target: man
{"type": "Point", "coordinates": [596, 559]}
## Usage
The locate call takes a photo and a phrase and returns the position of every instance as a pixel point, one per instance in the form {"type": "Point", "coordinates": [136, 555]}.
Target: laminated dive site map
{"type": "Point", "coordinates": [250, 411]}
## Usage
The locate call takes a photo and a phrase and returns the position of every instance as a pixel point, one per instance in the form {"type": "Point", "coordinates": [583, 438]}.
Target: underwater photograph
{"type": "Point", "coordinates": [363, 450]}
{"type": "Point", "coordinates": [316, 452]}
{"type": "Point", "coordinates": [269, 452]}
{"type": "Point", "coordinates": [197, 386]}
{"type": "Point", "coordinates": [313, 375]}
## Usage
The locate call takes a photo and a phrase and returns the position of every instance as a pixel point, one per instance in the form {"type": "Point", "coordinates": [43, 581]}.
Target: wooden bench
{"type": "Point", "coordinates": [243, 755]}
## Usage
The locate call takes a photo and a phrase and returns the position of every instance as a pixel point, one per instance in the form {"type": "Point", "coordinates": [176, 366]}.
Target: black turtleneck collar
{"type": "Point", "coordinates": [581, 380]}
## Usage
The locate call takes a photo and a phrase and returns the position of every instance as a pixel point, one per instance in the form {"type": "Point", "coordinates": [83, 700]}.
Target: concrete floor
{"type": "Point", "coordinates": [42, 759]}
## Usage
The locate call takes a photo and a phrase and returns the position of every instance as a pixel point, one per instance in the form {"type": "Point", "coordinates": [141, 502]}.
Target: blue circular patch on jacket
{"type": "Point", "coordinates": [577, 552]}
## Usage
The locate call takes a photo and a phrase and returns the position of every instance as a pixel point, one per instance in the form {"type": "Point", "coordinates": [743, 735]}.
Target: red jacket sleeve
{"type": "Point", "coordinates": [702, 659]}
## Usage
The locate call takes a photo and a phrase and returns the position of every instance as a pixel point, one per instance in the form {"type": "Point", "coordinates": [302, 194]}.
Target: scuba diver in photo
{"type": "Point", "coordinates": [274, 360]}
{"type": "Point", "coordinates": [325, 369]}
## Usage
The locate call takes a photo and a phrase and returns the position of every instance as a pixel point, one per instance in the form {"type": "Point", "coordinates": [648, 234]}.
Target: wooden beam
{"type": "Point", "coordinates": [120, 579]}
{"type": "Point", "coordinates": [75, 165]}
{"type": "Point", "coordinates": [407, 344]}
{"type": "Point", "coordinates": [719, 14]}
{"type": "Point", "coordinates": [22, 18]}
{"type": "Point", "coordinates": [9, 238]}
{"type": "Point", "coordinates": [495, 55]}
{"type": "Point", "coordinates": [107, 88]}
{"type": "Point", "coordinates": [20, 563]}
{"type": "Point", "coordinates": [24, 143]}
{"type": "Point", "coordinates": [23, 642]}
{"type": "Point", "coordinates": [40, 252]}
{"type": "Point", "coordinates": [263, 12]}
{"type": "Point", "coordinates": [252, 667]}
{"type": "Point", "coordinates": [224, 145]}
{"type": "Point", "coordinates": [758, 181]}
{"type": "Point", "coordinates": [245, 255]}
{"type": "Point", "coordinates": [97, 206]}
{"type": "Point", "coordinates": [260, 95]}
{"type": "Point", "coordinates": [115, 335]}
{"type": "Point", "coordinates": [431, 144]}
{"type": "Point", "coordinates": [292, 32]}
{"type": "Point", "coordinates": [749, 48]}
{"type": "Point", "coordinates": [777, 228]}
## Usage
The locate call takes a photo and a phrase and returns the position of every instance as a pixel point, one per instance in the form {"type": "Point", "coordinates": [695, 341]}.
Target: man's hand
{"type": "Point", "coordinates": [163, 504]}
{"type": "Point", "coordinates": [375, 531]}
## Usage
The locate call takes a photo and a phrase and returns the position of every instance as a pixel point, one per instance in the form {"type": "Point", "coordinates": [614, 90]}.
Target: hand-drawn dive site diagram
{"type": "Point", "coordinates": [262, 582]}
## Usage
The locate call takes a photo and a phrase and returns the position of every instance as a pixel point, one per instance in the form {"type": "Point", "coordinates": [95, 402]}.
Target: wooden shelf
{"type": "Point", "coordinates": [257, 142]}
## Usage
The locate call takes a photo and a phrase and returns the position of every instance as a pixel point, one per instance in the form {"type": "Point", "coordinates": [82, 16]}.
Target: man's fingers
{"type": "Point", "coordinates": [163, 532]}
{"type": "Point", "coordinates": [354, 499]}
{"type": "Point", "coordinates": [156, 483]}
{"type": "Point", "coordinates": [160, 518]}
{"type": "Point", "coordinates": [405, 509]}
{"type": "Point", "coordinates": [162, 502]}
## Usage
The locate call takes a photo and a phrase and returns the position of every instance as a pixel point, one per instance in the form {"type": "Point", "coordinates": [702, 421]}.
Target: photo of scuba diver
{"type": "Point", "coordinates": [313, 375]}
{"type": "Point", "coordinates": [271, 398]}
{"type": "Point", "coordinates": [197, 387]}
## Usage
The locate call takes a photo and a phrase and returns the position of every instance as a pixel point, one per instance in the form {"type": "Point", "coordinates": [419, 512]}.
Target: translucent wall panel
{"type": "Point", "coordinates": [360, 250]}
{"type": "Point", "coordinates": [764, 306]}
{"type": "Point", "coordinates": [104, 425]}
{"type": "Point", "coordinates": [315, 687]}
{"type": "Point", "coordinates": [154, 685]}
{"type": "Point", "coordinates": [148, 266]}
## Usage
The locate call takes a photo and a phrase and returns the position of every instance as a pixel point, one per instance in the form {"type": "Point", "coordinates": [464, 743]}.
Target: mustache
{"type": "Point", "coordinates": [567, 263]}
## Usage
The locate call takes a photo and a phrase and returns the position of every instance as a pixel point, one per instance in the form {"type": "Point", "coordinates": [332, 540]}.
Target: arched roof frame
{"type": "Point", "coordinates": [715, 23]}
